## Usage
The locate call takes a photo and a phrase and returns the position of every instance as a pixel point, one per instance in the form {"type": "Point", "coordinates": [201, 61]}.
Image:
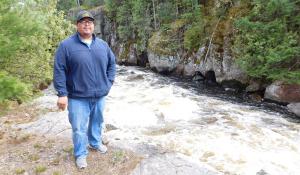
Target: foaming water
{"type": "Point", "coordinates": [229, 137]}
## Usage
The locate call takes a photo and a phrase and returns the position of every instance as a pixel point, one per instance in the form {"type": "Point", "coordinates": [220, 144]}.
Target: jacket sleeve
{"type": "Point", "coordinates": [60, 71]}
{"type": "Point", "coordinates": [111, 66]}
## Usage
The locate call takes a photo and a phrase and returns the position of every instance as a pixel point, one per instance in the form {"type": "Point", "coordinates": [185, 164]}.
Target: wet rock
{"type": "Point", "coordinates": [127, 54]}
{"type": "Point", "coordinates": [204, 120]}
{"type": "Point", "coordinates": [255, 97]}
{"type": "Point", "coordinates": [132, 57]}
{"type": "Point", "coordinates": [171, 163]}
{"type": "Point", "coordinates": [156, 131]}
{"type": "Point", "coordinates": [179, 69]}
{"type": "Point", "coordinates": [220, 61]}
{"type": "Point", "coordinates": [135, 77]}
{"type": "Point", "coordinates": [253, 86]}
{"type": "Point", "coordinates": [285, 93]}
{"type": "Point", "coordinates": [160, 118]}
{"type": "Point", "coordinates": [142, 59]}
{"type": "Point", "coordinates": [232, 85]}
{"type": "Point", "coordinates": [210, 78]}
{"type": "Point", "coordinates": [163, 63]}
{"type": "Point", "coordinates": [189, 69]}
{"type": "Point", "coordinates": [198, 77]}
{"type": "Point", "coordinates": [295, 108]}
{"type": "Point", "coordinates": [110, 127]}
{"type": "Point", "coordinates": [262, 172]}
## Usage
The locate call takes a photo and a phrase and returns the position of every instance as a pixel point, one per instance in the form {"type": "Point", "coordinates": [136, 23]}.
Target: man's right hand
{"type": "Point", "coordinates": [62, 102]}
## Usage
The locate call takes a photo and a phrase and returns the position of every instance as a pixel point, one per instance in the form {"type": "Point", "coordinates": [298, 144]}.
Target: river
{"type": "Point", "coordinates": [228, 134]}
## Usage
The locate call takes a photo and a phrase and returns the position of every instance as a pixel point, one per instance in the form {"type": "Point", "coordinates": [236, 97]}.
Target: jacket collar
{"type": "Point", "coordinates": [79, 38]}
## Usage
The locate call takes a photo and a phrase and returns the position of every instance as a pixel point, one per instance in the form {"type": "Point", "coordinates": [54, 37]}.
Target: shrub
{"type": "Point", "coordinates": [12, 88]}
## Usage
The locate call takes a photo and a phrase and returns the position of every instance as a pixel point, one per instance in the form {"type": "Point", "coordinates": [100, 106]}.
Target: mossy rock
{"type": "Point", "coordinates": [162, 43]}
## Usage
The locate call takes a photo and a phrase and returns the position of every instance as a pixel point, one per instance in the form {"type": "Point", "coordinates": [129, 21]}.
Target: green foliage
{"type": "Point", "coordinates": [110, 6]}
{"type": "Point", "coordinates": [12, 88]}
{"type": "Point", "coordinates": [29, 36]}
{"type": "Point", "coordinates": [268, 41]}
{"type": "Point", "coordinates": [141, 22]}
{"type": "Point", "coordinates": [166, 12]}
{"type": "Point", "coordinates": [32, 61]}
{"type": "Point", "coordinates": [194, 36]}
{"type": "Point", "coordinates": [92, 3]}
{"type": "Point", "coordinates": [164, 43]}
{"type": "Point", "coordinates": [124, 19]}
{"type": "Point", "coordinates": [65, 5]}
{"type": "Point", "coordinates": [135, 21]}
{"type": "Point", "coordinates": [40, 169]}
{"type": "Point", "coordinates": [19, 171]}
{"type": "Point", "coordinates": [13, 29]}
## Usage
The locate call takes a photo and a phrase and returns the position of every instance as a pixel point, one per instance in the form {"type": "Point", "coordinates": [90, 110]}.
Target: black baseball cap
{"type": "Point", "coordinates": [84, 14]}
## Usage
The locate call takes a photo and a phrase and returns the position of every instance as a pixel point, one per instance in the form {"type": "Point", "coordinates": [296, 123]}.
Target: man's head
{"type": "Point", "coordinates": [85, 24]}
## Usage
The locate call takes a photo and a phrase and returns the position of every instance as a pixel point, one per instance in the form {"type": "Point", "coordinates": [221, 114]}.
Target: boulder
{"type": "Point", "coordinates": [198, 77]}
{"type": "Point", "coordinates": [179, 69]}
{"type": "Point", "coordinates": [171, 163]}
{"type": "Point", "coordinates": [285, 93]}
{"type": "Point", "coordinates": [189, 69]}
{"type": "Point", "coordinates": [253, 87]}
{"type": "Point", "coordinates": [294, 108]}
{"type": "Point", "coordinates": [163, 63]}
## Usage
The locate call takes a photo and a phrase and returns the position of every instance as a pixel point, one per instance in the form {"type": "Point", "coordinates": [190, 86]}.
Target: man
{"type": "Point", "coordinates": [84, 71]}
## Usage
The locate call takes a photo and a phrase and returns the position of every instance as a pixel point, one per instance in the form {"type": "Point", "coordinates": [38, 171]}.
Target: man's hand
{"type": "Point", "coordinates": [62, 102]}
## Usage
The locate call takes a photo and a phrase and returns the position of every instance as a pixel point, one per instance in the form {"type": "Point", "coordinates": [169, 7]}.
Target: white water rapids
{"type": "Point", "coordinates": [228, 137]}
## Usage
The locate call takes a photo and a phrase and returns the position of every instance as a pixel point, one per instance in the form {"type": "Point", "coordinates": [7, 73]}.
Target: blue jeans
{"type": "Point", "coordinates": [86, 119]}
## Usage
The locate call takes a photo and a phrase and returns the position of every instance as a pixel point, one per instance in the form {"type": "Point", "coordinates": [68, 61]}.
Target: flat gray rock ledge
{"type": "Point", "coordinates": [171, 164]}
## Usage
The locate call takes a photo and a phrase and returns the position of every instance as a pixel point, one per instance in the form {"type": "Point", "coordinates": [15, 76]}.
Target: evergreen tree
{"type": "Point", "coordinates": [30, 33]}
{"type": "Point", "coordinates": [268, 40]}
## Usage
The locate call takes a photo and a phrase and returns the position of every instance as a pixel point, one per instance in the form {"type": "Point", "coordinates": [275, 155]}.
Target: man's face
{"type": "Point", "coordinates": [85, 26]}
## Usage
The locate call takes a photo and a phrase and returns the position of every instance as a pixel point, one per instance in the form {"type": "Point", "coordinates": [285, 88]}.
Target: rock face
{"type": "Point", "coordinates": [295, 108]}
{"type": "Point", "coordinates": [163, 63]}
{"type": "Point", "coordinates": [280, 92]}
{"type": "Point", "coordinates": [253, 86]}
{"type": "Point", "coordinates": [222, 63]}
{"type": "Point", "coordinates": [219, 59]}
{"type": "Point", "coordinates": [171, 163]}
{"type": "Point", "coordinates": [189, 69]}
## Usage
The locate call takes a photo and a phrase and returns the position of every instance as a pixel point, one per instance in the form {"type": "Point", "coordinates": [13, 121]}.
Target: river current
{"type": "Point", "coordinates": [228, 136]}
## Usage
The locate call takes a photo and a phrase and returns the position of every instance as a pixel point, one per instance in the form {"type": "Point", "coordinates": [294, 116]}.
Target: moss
{"type": "Point", "coordinates": [225, 25]}
{"type": "Point", "coordinates": [33, 157]}
{"type": "Point", "coordinates": [125, 53]}
{"type": "Point", "coordinates": [20, 171]}
{"type": "Point", "coordinates": [178, 24]}
{"type": "Point", "coordinates": [39, 169]}
{"type": "Point", "coordinates": [163, 43]}
{"type": "Point", "coordinates": [56, 173]}
{"type": "Point", "coordinates": [118, 156]}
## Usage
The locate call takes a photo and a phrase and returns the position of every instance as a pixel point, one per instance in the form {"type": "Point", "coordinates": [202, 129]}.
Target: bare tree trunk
{"type": "Point", "coordinates": [154, 14]}
{"type": "Point", "coordinates": [211, 38]}
{"type": "Point", "coordinates": [177, 9]}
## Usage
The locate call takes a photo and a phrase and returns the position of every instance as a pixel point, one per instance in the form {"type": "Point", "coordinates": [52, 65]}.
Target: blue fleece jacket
{"type": "Point", "coordinates": [82, 71]}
